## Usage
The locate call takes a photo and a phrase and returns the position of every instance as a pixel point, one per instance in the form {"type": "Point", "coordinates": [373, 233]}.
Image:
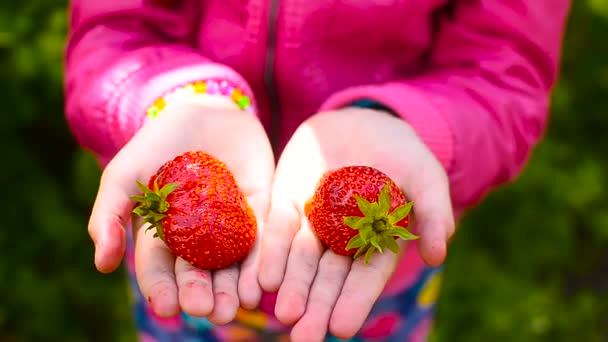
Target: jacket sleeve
{"type": "Point", "coordinates": [120, 56]}
{"type": "Point", "coordinates": [482, 103]}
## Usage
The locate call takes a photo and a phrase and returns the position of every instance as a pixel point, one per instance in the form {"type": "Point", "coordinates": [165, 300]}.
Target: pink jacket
{"type": "Point", "coordinates": [473, 77]}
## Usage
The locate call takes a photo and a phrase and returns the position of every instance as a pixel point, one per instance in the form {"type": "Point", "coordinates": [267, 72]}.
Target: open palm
{"type": "Point", "coordinates": [319, 290]}
{"type": "Point", "coordinates": [171, 284]}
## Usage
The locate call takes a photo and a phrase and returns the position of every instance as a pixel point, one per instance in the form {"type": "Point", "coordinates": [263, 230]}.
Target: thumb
{"type": "Point", "coordinates": [110, 214]}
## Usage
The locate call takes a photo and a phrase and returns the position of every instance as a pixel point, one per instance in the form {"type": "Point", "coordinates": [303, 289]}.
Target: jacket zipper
{"type": "Point", "coordinates": [275, 124]}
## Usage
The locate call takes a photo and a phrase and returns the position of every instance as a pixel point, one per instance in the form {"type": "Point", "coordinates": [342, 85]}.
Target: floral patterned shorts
{"type": "Point", "coordinates": [405, 315]}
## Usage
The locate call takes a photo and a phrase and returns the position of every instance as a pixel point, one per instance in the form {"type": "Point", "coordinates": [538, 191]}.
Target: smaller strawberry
{"type": "Point", "coordinates": [359, 209]}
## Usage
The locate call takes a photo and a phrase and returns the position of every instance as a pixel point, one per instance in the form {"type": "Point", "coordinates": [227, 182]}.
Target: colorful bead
{"type": "Point", "coordinates": [200, 87]}
{"type": "Point", "coordinates": [210, 87]}
{"type": "Point", "coordinates": [152, 112]}
{"type": "Point", "coordinates": [243, 102]}
{"type": "Point", "coordinates": [160, 103]}
{"type": "Point", "coordinates": [225, 88]}
{"type": "Point", "coordinates": [236, 95]}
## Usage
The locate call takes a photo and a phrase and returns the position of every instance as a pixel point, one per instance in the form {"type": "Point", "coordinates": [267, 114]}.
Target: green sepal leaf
{"type": "Point", "coordinates": [400, 213]}
{"type": "Point", "coordinates": [153, 205]}
{"type": "Point", "coordinates": [390, 243]}
{"type": "Point", "coordinates": [366, 233]}
{"type": "Point", "coordinates": [142, 187]}
{"type": "Point", "coordinates": [163, 206]}
{"type": "Point", "coordinates": [374, 242]}
{"type": "Point", "coordinates": [361, 251]}
{"type": "Point", "coordinates": [159, 233]}
{"type": "Point", "coordinates": [139, 198]}
{"type": "Point", "coordinates": [156, 217]}
{"type": "Point", "coordinates": [152, 197]}
{"type": "Point", "coordinates": [375, 207]}
{"type": "Point", "coordinates": [158, 230]}
{"type": "Point", "coordinates": [352, 221]}
{"type": "Point", "coordinates": [402, 233]}
{"type": "Point", "coordinates": [356, 222]}
{"type": "Point", "coordinates": [384, 201]}
{"type": "Point", "coordinates": [355, 242]}
{"type": "Point", "coordinates": [141, 211]}
{"type": "Point", "coordinates": [168, 188]}
{"type": "Point", "coordinates": [368, 255]}
{"type": "Point", "coordinates": [383, 235]}
{"type": "Point", "coordinates": [156, 189]}
{"type": "Point", "coordinates": [368, 209]}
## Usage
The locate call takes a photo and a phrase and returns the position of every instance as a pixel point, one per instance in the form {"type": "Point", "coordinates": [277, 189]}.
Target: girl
{"type": "Point", "coordinates": [446, 97]}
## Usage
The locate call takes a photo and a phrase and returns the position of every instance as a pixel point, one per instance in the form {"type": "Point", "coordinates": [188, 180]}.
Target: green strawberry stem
{"type": "Point", "coordinates": [153, 205]}
{"type": "Point", "coordinates": [377, 228]}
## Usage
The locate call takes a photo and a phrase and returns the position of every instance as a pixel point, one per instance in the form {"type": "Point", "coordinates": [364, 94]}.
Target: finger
{"type": "Point", "coordinates": [429, 190]}
{"type": "Point", "coordinates": [302, 265]}
{"type": "Point", "coordinates": [226, 301]}
{"type": "Point", "coordinates": [109, 237]}
{"type": "Point", "coordinates": [333, 269]}
{"type": "Point", "coordinates": [110, 214]}
{"type": "Point", "coordinates": [195, 290]}
{"type": "Point", "coordinates": [249, 289]}
{"type": "Point", "coordinates": [154, 269]}
{"type": "Point", "coordinates": [362, 287]}
{"type": "Point", "coordinates": [283, 223]}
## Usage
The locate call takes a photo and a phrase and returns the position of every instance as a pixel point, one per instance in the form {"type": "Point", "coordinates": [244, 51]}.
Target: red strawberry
{"type": "Point", "coordinates": [359, 209]}
{"type": "Point", "coordinates": [199, 211]}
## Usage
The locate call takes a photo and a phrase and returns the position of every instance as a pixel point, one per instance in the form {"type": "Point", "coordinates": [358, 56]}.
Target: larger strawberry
{"type": "Point", "coordinates": [359, 209]}
{"type": "Point", "coordinates": [196, 207]}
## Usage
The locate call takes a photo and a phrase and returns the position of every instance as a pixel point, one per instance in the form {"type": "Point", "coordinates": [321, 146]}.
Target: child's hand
{"type": "Point", "coordinates": [319, 289]}
{"type": "Point", "coordinates": [218, 127]}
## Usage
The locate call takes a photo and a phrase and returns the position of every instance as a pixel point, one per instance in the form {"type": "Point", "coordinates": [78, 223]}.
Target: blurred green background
{"type": "Point", "coordinates": [530, 264]}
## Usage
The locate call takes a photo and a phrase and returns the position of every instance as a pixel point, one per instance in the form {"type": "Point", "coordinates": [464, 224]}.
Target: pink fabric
{"type": "Point", "coordinates": [472, 77]}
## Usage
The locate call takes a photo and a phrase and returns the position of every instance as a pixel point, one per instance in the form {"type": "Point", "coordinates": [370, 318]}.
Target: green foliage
{"type": "Point", "coordinates": [529, 264]}
{"type": "Point", "coordinates": [50, 289]}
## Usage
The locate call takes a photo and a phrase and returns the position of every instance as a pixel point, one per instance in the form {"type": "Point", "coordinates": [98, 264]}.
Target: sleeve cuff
{"type": "Point", "coordinates": [142, 87]}
{"type": "Point", "coordinates": [409, 104]}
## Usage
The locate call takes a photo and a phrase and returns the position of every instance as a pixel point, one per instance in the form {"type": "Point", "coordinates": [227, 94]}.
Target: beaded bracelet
{"type": "Point", "coordinates": [210, 87]}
